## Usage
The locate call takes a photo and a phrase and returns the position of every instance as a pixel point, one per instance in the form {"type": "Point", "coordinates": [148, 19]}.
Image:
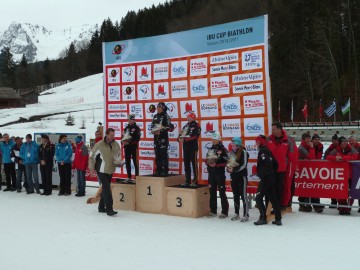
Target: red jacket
{"type": "Point", "coordinates": [98, 139]}
{"type": "Point", "coordinates": [283, 149]}
{"type": "Point", "coordinates": [319, 151]}
{"type": "Point", "coordinates": [349, 153]}
{"type": "Point", "coordinates": [305, 152]}
{"type": "Point", "coordinates": [81, 157]}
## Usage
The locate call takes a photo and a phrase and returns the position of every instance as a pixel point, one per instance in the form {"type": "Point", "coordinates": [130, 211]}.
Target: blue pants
{"type": "Point", "coordinates": [81, 182]}
{"type": "Point", "coordinates": [32, 175]}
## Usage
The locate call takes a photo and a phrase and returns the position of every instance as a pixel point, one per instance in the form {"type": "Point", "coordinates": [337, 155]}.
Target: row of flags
{"type": "Point", "coordinates": [330, 111]}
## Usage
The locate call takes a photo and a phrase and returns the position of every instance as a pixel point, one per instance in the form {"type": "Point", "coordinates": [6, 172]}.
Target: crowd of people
{"type": "Point", "coordinates": [277, 163]}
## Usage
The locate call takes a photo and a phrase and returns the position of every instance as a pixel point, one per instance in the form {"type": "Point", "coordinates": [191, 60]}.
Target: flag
{"type": "Point", "coordinates": [305, 110]}
{"type": "Point", "coordinates": [331, 110]}
{"type": "Point", "coordinates": [321, 110]}
{"type": "Point", "coordinates": [279, 112]}
{"type": "Point", "coordinates": [292, 110]}
{"type": "Point", "coordinates": [346, 108]}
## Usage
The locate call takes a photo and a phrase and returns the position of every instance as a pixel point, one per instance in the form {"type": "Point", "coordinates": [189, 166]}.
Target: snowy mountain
{"type": "Point", "coordinates": [39, 43]}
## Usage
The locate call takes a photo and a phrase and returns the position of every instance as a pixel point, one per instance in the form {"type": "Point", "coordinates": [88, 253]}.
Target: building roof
{"type": "Point", "coordinates": [8, 93]}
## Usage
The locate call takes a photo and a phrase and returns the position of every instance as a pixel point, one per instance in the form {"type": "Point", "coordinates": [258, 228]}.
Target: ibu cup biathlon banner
{"type": "Point", "coordinates": [219, 72]}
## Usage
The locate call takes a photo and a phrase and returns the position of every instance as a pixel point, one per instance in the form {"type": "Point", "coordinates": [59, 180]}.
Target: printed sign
{"type": "Point", "coordinates": [254, 105]}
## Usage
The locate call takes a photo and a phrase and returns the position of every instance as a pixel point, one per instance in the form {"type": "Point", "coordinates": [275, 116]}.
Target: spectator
{"type": "Point", "coordinates": [63, 154]}
{"type": "Point", "coordinates": [239, 178]}
{"type": "Point", "coordinates": [333, 146]}
{"type": "Point", "coordinates": [353, 142]}
{"type": "Point", "coordinates": [344, 152]}
{"type": "Point", "coordinates": [98, 136]}
{"type": "Point", "coordinates": [46, 157]}
{"type": "Point", "coordinates": [216, 163]}
{"type": "Point", "coordinates": [102, 160]}
{"type": "Point", "coordinates": [6, 147]}
{"type": "Point", "coordinates": [19, 166]}
{"type": "Point", "coordinates": [80, 164]}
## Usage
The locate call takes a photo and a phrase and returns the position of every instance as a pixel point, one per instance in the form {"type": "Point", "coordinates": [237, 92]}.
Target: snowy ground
{"type": "Point", "coordinates": [57, 233]}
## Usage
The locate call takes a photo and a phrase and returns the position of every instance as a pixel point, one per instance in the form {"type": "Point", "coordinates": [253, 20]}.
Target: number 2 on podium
{"type": "Point", "coordinates": [122, 196]}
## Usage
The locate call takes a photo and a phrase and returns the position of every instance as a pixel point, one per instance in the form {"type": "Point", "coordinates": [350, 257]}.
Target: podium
{"type": "Point", "coordinates": [187, 202]}
{"type": "Point", "coordinates": [123, 196]}
{"type": "Point", "coordinates": [150, 192]}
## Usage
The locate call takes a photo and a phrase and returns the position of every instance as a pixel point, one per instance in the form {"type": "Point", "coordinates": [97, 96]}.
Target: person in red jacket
{"type": "Point", "coordinates": [283, 149]}
{"type": "Point", "coordinates": [344, 152]}
{"type": "Point", "coordinates": [319, 150]}
{"type": "Point", "coordinates": [333, 146]}
{"type": "Point", "coordinates": [98, 136]}
{"type": "Point", "coordinates": [353, 142]}
{"type": "Point", "coordinates": [80, 164]}
{"type": "Point", "coordinates": [306, 151]}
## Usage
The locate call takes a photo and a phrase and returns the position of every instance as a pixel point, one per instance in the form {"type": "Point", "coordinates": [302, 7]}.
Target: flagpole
{"type": "Point", "coordinates": [292, 111]}
{"type": "Point", "coordinates": [349, 111]}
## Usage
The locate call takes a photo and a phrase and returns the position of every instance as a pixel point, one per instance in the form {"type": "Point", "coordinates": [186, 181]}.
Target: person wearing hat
{"type": "Point", "coordinates": [334, 144]}
{"type": "Point", "coordinates": [265, 170]}
{"type": "Point", "coordinates": [6, 147]}
{"type": "Point", "coordinates": [216, 163]}
{"type": "Point", "coordinates": [189, 138]}
{"type": "Point", "coordinates": [30, 158]}
{"type": "Point", "coordinates": [239, 179]}
{"type": "Point", "coordinates": [132, 131]}
{"type": "Point", "coordinates": [344, 152]}
{"type": "Point", "coordinates": [319, 149]}
{"type": "Point", "coordinates": [46, 157]}
{"type": "Point", "coordinates": [63, 154]}
{"type": "Point", "coordinates": [161, 139]}
{"type": "Point", "coordinates": [19, 166]}
{"type": "Point", "coordinates": [80, 164]}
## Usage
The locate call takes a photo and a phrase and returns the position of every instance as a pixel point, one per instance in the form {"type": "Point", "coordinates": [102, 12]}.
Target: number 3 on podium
{"type": "Point", "coordinates": [179, 202]}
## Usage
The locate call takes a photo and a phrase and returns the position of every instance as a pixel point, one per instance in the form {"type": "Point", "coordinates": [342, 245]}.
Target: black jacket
{"type": "Point", "coordinates": [266, 163]}
{"type": "Point", "coordinates": [164, 119]}
{"type": "Point", "coordinates": [222, 154]}
{"type": "Point", "coordinates": [47, 152]}
{"type": "Point", "coordinates": [135, 134]}
{"type": "Point", "coordinates": [243, 162]}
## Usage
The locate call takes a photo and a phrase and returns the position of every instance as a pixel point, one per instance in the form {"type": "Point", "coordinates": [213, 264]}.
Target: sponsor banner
{"type": "Point", "coordinates": [355, 184]}
{"type": "Point", "coordinates": [90, 176]}
{"type": "Point", "coordinates": [225, 58]}
{"type": "Point", "coordinates": [205, 146]}
{"type": "Point", "coordinates": [230, 106]}
{"type": "Point", "coordinates": [173, 150]}
{"type": "Point", "coordinates": [198, 66]}
{"type": "Point", "coordinates": [161, 71]}
{"type": "Point", "coordinates": [322, 179]}
{"type": "Point", "coordinates": [251, 59]}
{"type": "Point", "coordinates": [114, 93]}
{"type": "Point", "coordinates": [208, 127]}
{"type": "Point", "coordinates": [253, 180]}
{"type": "Point", "coordinates": [137, 109]}
{"type": "Point", "coordinates": [254, 126]}
{"type": "Point", "coordinates": [251, 148]}
{"type": "Point", "coordinates": [128, 74]}
{"type": "Point", "coordinates": [117, 127]}
{"type": "Point", "coordinates": [161, 90]}
{"type": "Point", "coordinates": [224, 68]}
{"type": "Point", "coordinates": [128, 92]}
{"type": "Point", "coordinates": [179, 89]}
{"type": "Point", "coordinates": [172, 111]}
{"type": "Point", "coordinates": [117, 107]}
{"type": "Point", "coordinates": [113, 75]}
{"type": "Point", "coordinates": [117, 116]}
{"type": "Point", "coordinates": [230, 128]}
{"type": "Point", "coordinates": [143, 73]}
{"type": "Point", "coordinates": [149, 153]}
{"type": "Point", "coordinates": [199, 88]}
{"type": "Point", "coordinates": [254, 104]}
{"type": "Point", "coordinates": [148, 133]}
{"type": "Point", "coordinates": [179, 69]}
{"type": "Point", "coordinates": [146, 167]}
{"type": "Point", "coordinates": [248, 88]}
{"type": "Point", "coordinates": [150, 110]}
{"type": "Point", "coordinates": [209, 108]}
{"type": "Point", "coordinates": [174, 165]}
{"type": "Point", "coordinates": [146, 144]}
{"type": "Point", "coordinates": [144, 92]}
{"type": "Point", "coordinates": [220, 85]}
{"type": "Point", "coordinates": [188, 106]}
{"type": "Point", "coordinates": [175, 133]}
{"type": "Point", "coordinates": [247, 77]}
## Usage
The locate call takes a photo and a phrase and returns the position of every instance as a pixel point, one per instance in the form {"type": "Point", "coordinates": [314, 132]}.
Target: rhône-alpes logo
{"type": "Point", "coordinates": [128, 90]}
{"type": "Point", "coordinates": [113, 73]}
{"type": "Point", "coordinates": [118, 49]}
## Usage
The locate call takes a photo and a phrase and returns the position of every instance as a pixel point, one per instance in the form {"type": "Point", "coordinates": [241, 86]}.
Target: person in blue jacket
{"type": "Point", "coordinates": [6, 147]}
{"type": "Point", "coordinates": [30, 158]}
{"type": "Point", "coordinates": [63, 154]}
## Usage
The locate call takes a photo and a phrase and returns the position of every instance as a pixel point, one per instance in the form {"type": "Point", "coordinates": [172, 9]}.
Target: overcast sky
{"type": "Point", "coordinates": [63, 13]}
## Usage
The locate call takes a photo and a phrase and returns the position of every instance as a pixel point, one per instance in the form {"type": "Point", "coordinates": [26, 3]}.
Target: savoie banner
{"type": "Point", "coordinates": [219, 72]}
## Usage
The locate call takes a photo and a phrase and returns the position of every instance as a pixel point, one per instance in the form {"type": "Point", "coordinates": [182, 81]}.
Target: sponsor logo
{"type": "Point", "coordinates": [128, 90]}
{"type": "Point", "coordinates": [118, 49]}
{"type": "Point", "coordinates": [198, 67]}
{"type": "Point", "coordinates": [248, 77]}
{"type": "Point", "coordinates": [144, 73]}
{"type": "Point", "coordinates": [119, 115]}
{"type": "Point", "coordinates": [230, 107]}
{"type": "Point", "coordinates": [144, 91]}
{"type": "Point", "coordinates": [114, 93]}
{"type": "Point", "coordinates": [146, 167]}
{"type": "Point", "coordinates": [209, 128]}
{"type": "Point", "coordinates": [174, 165]}
{"type": "Point", "coordinates": [224, 68]}
{"type": "Point", "coordinates": [252, 59]}
{"type": "Point", "coordinates": [224, 58]}
{"type": "Point", "coordinates": [161, 90]}
{"type": "Point", "coordinates": [179, 69]}
{"type": "Point", "coordinates": [117, 107]}
{"type": "Point", "coordinates": [173, 150]}
{"type": "Point", "coordinates": [113, 73]}
{"type": "Point", "coordinates": [220, 85]}
{"type": "Point", "coordinates": [172, 110]}
{"type": "Point", "coordinates": [254, 126]}
{"type": "Point", "coordinates": [188, 107]}
{"type": "Point", "coordinates": [128, 74]}
{"type": "Point", "coordinates": [209, 108]}
{"type": "Point", "coordinates": [146, 153]}
{"type": "Point", "coordinates": [146, 144]}
{"type": "Point", "coordinates": [245, 88]}
{"type": "Point", "coordinates": [137, 110]}
{"type": "Point", "coordinates": [161, 71]}
{"type": "Point", "coordinates": [231, 128]}
{"type": "Point", "coordinates": [254, 104]}
{"type": "Point", "coordinates": [175, 133]}
{"type": "Point", "coordinates": [116, 127]}
{"type": "Point", "coordinates": [179, 89]}
{"type": "Point", "coordinates": [199, 88]}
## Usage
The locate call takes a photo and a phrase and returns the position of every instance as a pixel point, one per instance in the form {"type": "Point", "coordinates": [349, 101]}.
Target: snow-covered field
{"type": "Point", "coordinates": [57, 233]}
{"type": "Point", "coordinates": [82, 98]}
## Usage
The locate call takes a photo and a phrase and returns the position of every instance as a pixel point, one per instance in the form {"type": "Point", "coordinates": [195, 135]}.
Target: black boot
{"type": "Point", "coordinates": [111, 212]}
{"type": "Point", "coordinates": [260, 222]}
{"type": "Point", "coordinates": [277, 222]}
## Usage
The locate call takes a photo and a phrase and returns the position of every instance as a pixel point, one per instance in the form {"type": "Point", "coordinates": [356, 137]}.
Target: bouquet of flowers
{"type": "Point", "coordinates": [232, 161]}
{"type": "Point", "coordinates": [126, 136]}
{"type": "Point", "coordinates": [184, 133]}
{"type": "Point", "coordinates": [118, 162]}
{"type": "Point", "coordinates": [157, 127]}
{"type": "Point", "coordinates": [211, 156]}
